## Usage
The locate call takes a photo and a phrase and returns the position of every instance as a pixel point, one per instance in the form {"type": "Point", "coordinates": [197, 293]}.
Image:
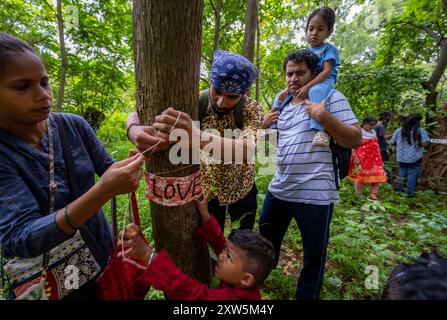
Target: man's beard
{"type": "Point", "coordinates": [219, 113]}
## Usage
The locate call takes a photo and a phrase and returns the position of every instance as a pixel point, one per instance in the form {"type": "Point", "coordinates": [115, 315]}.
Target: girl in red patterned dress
{"type": "Point", "coordinates": [366, 162]}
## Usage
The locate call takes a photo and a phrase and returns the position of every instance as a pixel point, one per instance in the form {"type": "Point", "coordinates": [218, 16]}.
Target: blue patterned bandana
{"type": "Point", "coordinates": [232, 73]}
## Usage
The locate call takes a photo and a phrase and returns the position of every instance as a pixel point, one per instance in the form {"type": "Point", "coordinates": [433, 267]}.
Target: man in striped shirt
{"type": "Point", "coordinates": [303, 186]}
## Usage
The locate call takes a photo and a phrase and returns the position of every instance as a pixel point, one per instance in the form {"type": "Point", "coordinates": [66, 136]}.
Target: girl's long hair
{"type": "Point", "coordinates": [410, 129]}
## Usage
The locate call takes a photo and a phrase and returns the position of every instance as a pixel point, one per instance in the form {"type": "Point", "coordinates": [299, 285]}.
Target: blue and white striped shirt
{"type": "Point", "coordinates": [305, 173]}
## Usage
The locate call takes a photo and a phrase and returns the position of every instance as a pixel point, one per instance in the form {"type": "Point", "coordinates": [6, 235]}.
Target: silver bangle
{"type": "Point", "coordinates": [151, 258]}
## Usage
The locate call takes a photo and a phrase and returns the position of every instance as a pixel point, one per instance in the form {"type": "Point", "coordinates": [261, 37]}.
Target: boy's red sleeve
{"type": "Point", "coordinates": [164, 275]}
{"type": "Point", "coordinates": [210, 232]}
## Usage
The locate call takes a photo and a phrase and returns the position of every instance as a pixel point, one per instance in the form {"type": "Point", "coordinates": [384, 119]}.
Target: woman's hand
{"type": "Point", "coordinates": [122, 177]}
{"type": "Point", "coordinates": [134, 244]}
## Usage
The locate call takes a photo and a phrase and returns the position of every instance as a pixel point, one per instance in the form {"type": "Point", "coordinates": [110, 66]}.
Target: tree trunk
{"type": "Point", "coordinates": [436, 75]}
{"type": "Point", "coordinates": [63, 69]}
{"type": "Point", "coordinates": [258, 56]}
{"type": "Point", "coordinates": [251, 19]}
{"type": "Point", "coordinates": [167, 48]}
{"type": "Point", "coordinates": [434, 165]}
{"type": "Point", "coordinates": [217, 11]}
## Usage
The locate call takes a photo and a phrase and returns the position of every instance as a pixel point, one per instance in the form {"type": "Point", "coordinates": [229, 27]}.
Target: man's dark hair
{"type": "Point", "coordinates": [385, 115]}
{"type": "Point", "coordinates": [424, 279]}
{"type": "Point", "coordinates": [9, 46]}
{"type": "Point", "coordinates": [259, 256]}
{"type": "Point", "coordinates": [304, 55]}
{"type": "Point", "coordinates": [326, 13]}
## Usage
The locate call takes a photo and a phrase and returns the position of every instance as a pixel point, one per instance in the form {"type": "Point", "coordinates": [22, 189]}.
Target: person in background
{"type": "Point", "coordinates": [409, 140]}
{"type": "Point", "coordinates": [382, 135]}
{"type": "Point", "coordinates": [366, 162]}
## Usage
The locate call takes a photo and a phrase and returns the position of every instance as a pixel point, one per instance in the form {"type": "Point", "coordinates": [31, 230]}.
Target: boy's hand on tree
{"type": "Point", "coordinates": [134, 244]}
{"type": "Point", "coordinates": [202, 206]}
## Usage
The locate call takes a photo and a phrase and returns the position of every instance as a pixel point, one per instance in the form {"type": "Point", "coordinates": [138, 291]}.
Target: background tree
{"type": "Point", "coordinates": [251, 19]}
{"type": "Point", "coordinates": [418, 35]}
{"type": "Point", "coordinates": [167, 61]}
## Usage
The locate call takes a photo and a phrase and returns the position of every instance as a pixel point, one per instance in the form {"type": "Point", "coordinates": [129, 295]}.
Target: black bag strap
{"type": "Point", "coordinates": [75, 189]}
{"type": "Point", "coordinates": [238, 110]}
{"type": "Point", "coordinates": [333, 146]}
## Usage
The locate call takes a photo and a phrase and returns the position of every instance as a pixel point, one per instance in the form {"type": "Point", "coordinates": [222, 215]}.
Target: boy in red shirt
{"type": "Point", "coordinates": [245, 260]}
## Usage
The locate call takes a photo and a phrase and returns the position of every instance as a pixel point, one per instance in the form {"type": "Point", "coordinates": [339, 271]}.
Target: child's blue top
{"type": "Point", "coordinates": [328, 52]}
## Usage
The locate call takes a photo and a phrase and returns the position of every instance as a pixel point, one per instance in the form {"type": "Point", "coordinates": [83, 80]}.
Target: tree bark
{"type": "Point", "coordinates": [251, 19]}
{"type": "Point", "coordinates": [63, 69]}
{"type": "Point", "coordinates": [258, 56]}
{"type": "Point", "coordinates": [434, 164]}
{"type": "Point", "coordinates": [436, 75]}
{"type": "Point", "coordinates": [167, 39]}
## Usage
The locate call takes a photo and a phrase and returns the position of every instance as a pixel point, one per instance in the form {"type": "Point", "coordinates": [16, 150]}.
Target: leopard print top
{"type": "Point", "coordinates": [230, 182]}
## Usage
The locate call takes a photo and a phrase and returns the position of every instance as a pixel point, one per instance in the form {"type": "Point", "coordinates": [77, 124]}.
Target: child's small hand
{"type": "Point", "coordinates": [202, 206]}
{"type": "Point", "coordinates": [303, 92]}
{"type": "Point", "coordinates": [283, 95]}
{"type": "Point", "coordinates": [271, 117]}
{"type": "Point", "coordinates": [134, 244]}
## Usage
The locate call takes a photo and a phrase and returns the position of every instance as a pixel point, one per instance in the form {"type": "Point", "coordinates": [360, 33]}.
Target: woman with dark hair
{"type": "Point", "coordinates": [50, 205]}
{"type": "Point", "coordinates": [409, 139]}
{"type": "Point", "coordinates": [366, 162]}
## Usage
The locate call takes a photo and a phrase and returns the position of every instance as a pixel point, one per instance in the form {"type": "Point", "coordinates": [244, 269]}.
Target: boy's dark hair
{"type": "Point", "coordinates": [259, 256]}
{"type": "Point", "coordinates": [326, 13]}
{"type": "Point", "coordinates": [368, 119]}
{"type": "Point", "coordinates": [303, 55]}
{"type": "Point", "coordinates": [10, 45]}
{"type": "Point", "coordinates": [424, 279]}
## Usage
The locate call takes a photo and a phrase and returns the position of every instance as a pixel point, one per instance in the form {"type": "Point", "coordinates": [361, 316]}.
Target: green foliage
{"type": "Point", "coordinates": [99, 49]}
{"type": "Point", "coordinates": [404, 39]}
{"type": "Point", "coordinates": [371, 89]}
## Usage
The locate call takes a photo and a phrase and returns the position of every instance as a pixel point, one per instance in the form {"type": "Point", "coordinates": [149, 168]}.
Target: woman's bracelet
{"type": "Point", "coordinates": [67, 219]}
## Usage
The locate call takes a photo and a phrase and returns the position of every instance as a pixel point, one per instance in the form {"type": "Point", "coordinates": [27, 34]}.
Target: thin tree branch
{"type": "Point", "coordinates": [50, 6]}
{"type": "Point", "coordinates": [425, 28]}
{"type": "Point", "coordinates": [214, 8]}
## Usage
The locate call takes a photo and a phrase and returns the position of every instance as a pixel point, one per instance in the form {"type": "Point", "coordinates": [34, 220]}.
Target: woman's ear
{"type": "Point", "coordinates": [248, 280]}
